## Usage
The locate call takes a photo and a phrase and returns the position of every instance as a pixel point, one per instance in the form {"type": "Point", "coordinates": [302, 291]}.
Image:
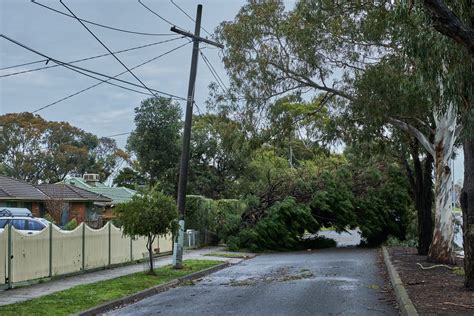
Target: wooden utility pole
{"type": "Point", "coordinates": [183, 169]}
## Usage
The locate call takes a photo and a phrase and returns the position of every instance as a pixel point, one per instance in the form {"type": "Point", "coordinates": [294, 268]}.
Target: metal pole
{"type": "Point", "coordinates": [183, 170]}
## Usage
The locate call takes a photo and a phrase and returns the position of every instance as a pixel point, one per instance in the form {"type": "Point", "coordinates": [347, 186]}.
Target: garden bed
{"type": "Point", "coordinates": [437, 291]}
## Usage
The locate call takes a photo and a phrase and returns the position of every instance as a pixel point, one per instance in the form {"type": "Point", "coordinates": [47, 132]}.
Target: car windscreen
{"type": "Point", "coordinates": [3, 222]}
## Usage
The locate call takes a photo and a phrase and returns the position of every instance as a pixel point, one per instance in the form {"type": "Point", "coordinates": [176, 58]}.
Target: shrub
{"type": "Point", "coordinates": [215, 219]}
{"type": "Point", "coordinates": [49, 218]}
{"type": "Point", "coordinates": [71, 225]}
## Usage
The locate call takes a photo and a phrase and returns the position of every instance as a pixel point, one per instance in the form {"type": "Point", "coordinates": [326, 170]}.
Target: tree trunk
{"type": "Point", "coordinates": [421, 183]}
{"type": "Point", "coordinates": [149, 247]}
{"type": "Point", "coordinates": [424, 206]}
{"type": "Point", "coordinates": [467, 204]}
{"type": "Point", "coordinates": [442, 246]}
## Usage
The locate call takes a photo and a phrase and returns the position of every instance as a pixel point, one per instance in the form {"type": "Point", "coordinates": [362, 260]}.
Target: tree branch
{"type": "Point", "coordinates": [449, 24]}
{"type": "Point", "coordinates": [414, 132]}
{"type": "Point", "coordinates": [308, 82]}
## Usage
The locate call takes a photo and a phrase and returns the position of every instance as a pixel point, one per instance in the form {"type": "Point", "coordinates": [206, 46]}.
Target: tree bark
{"type": "Point", "coordinates": [442, 245]}
{"type": "Point", "coordinates": [449, 24]}
{"type": "Point", "coordinates": [424, 204]}
{"type": "Point", "coordinates": [149, 247]}
{"type": "Point", "coordinates": [467, 205]}
{"type": "Point", "coordinates": [421, 182]}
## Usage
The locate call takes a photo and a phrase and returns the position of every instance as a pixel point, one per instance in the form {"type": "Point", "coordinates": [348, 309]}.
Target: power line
{"type": "Point", "coordinates": [190, 17]}
{"type": "Point", "coordinates": [79, 60]}
{"type": "Point", "coordinates": [119, 134]}
{"type": "Point", "coordinates": [156, 14]}
{"type": "Point", "coordinates": [102, 25]}
{"type": "Point", "coordinates": [25, 64]}
{"type": "Point", "coordinates": [214, 72]}
{"type": "Point", "coordinates": [86, 72]}
{"type": "Point", "coordinates": [105, 46]}
{"type": "Point", "coordinates": [107, 81]}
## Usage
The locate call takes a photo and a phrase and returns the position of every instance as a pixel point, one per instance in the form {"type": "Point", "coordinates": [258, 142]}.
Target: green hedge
{"type": "Point", "coordinates": [215, 219]}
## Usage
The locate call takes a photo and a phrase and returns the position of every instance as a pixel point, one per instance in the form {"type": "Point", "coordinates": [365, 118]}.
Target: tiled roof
{"type": "Point", "coordinates": [71, 193]}
{"type": "Point", "coordinates": [117, 194]}
{"type": "Point", "coordinates": [13, 189]}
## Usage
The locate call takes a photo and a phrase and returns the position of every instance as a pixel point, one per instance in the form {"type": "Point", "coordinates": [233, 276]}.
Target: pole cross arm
{"type": "Point", "coordinates": [196, 38]}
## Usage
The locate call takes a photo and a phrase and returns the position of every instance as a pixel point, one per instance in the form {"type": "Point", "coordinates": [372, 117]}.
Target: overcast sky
{"type": "Point", "coordinates": [104, 110]}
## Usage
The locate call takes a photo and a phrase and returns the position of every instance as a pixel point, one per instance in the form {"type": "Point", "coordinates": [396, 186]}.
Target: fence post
{"type": "Point", "coordinates": [110, 244]}
{"type": "Point", "coordinates": [10, 256]}
{"type": "Point", "coordinates": [50, 249]}
{"type": "Point", "coordinates": [131, 249]}
{"type": "Point", "coordinates": [83, 246]}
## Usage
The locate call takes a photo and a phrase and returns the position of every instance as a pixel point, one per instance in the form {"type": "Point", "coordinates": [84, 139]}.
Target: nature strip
{"type": "Point", "coordinates": [406, 305]}
{"type": "Point", "coordinates": [127, 300]}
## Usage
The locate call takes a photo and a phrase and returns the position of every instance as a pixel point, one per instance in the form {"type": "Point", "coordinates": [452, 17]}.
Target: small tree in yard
{"type": "Point", "coordinates": [148, 215]}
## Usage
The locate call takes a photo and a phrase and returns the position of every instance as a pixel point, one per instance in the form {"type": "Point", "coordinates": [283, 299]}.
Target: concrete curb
{"type": "Point", "coordinates": [406, 305]}
{"type": "Point", "coordinates": [103, 308]}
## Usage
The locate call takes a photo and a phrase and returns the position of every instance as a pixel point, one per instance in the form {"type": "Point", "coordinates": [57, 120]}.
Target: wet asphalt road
{"type": "Point", "coordinates": [337, 281]}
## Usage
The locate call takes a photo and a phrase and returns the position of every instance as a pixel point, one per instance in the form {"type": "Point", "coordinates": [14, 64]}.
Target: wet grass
{"type": "Point", "coordinates": [83, 297]}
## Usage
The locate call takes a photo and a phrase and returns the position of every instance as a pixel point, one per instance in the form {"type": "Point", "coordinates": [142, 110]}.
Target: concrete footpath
{"type": "Point", "coordinates": [41, 289]}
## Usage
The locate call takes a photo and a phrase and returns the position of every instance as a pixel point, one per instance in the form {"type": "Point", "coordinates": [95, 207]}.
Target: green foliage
{"type": "Point", "coordinates": [148, 214]}
{"type": "Point", "coordinates": [71, 225]}
{"type": "Point", "coordinates": [394, 241]}
{"type": "Point", "coordinates": [318, 242]}
{"type": "Point", "coordinates": [50, 219]}
{"type": "Point", "coordinates": [151, 213]}
{"type": "Point", "coordinates": [382, 204]}
{"type": "Point", "coordinates": [156, 140]}
{"type": "Point", "coordinates": [129, 178]}
{"type": "Point", "coordinates": [34, 149]}
{"type": "Point", "coordinates": [281, 229]}
{"type": "Point", "coordinates": [217, 219]}
{"type": "Point", "coordinates": [219, 153]}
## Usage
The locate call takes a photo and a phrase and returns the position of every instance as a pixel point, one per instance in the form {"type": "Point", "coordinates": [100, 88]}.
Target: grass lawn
{"type": "Point", "coordinates": [228, 255]}
{"type": "Point", "coordinates": [83, 297]}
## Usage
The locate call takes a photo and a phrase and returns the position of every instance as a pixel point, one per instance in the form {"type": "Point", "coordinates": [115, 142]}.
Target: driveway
{"type": "Point", "coordinates": [337, 281]}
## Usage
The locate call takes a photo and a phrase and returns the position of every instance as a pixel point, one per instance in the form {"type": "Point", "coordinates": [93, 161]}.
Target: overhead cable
{"type": "Point", "coordinates": [190, 17]}
{"type": "Point", "coordinates": [105, 46]}
{"type": "Point", "coordinates": [79, 60]}
{"type": "Point", "coordinates": [214, 72]}
{"type": "Point", "coordinates": [102, 25]}
{"type": "Point", "coordinates": [86, 72]}
{"type": "Point", "coordinates": [107, 81]}
{"type": "Point", "coordinates": [156, 14]}
{"type": "Point", "coordinates": [119, 134]}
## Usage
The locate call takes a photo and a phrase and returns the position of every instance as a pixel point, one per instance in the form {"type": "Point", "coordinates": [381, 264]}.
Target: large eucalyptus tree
{"type": "Point", "coordinates": [455, 19]}
{"type": "Point", "coordinates": [325, 46]}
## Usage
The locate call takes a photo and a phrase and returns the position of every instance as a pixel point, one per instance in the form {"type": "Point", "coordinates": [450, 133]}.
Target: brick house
{"type": "Point", "coordinates": [77, 203]}
{"type": "Point", "coordinates": [91, 182]}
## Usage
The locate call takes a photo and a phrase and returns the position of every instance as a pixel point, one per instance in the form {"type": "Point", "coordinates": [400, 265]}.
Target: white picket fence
{"type": "Point", "coordinates": [54, 252]}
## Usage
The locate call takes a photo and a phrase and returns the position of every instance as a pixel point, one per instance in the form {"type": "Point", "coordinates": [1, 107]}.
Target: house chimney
{"type": "Point", "coordinates": [91, 178]}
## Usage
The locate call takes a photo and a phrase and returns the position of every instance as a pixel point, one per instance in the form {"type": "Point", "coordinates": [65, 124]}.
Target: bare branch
{"type": "Point", "coordinates": [424, 141]}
